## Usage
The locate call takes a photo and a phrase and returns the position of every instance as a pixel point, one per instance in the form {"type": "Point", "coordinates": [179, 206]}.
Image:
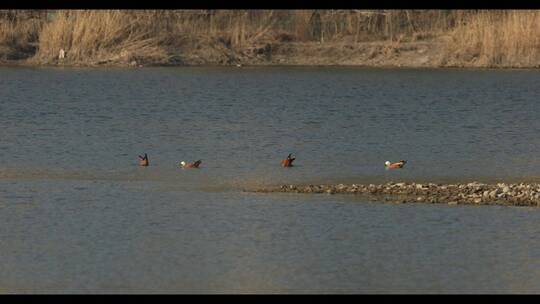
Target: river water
{"type": "Point", "coordinates": [78, 215]}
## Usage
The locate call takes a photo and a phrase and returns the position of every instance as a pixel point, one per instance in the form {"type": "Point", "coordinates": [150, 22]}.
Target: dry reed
{"type": "Point", "coordinates": [482, 38]}
{"type": "Point", "coordinates": [508, 38]}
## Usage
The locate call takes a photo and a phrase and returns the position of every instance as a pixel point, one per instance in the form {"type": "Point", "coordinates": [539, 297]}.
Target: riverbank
{"type": "Point", "coordinates": [522, 194]}
{"type": "Point", "coordinates": [418, 54]}
{"type": "Point", "coordinates": [400, 38]}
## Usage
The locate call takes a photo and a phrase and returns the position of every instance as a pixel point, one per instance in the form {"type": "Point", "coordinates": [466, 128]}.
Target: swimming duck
{"type": "Point", "coordinates": [397, 165]}
{"type": "Point", "coordinates": [143, 161]}
{"type": "Point", "coordinates": [190, 165]}
{"type": "Point", "coordinates": [288, 161]}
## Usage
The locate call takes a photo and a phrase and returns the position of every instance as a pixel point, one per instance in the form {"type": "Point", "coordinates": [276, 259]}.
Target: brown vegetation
{"type": "Point", "coordinates": [351, 37]}
{"type": "Point", "coordinates": [19, 34]}
{"type": "Point", "coordinates": [491, 39]}
{"type": "Point", "coordinates": [94, 37]}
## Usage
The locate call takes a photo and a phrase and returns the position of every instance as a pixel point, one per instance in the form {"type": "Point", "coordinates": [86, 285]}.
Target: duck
{"type": "Point", "coordinates": [143, 161]}
{"type": "Point", "coordinates": [288, 161]}
{"type": "Point", "coordinates": [397, 165]}
{"type": "Point", "coordinates": [190, 165]}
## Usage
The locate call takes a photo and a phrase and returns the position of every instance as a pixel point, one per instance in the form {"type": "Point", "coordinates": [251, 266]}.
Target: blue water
{"type": "Point", "coordinates": [77, 214]}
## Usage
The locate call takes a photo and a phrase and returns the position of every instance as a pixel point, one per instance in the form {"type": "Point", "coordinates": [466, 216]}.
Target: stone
{"type": "Point", "coordinates": [471, 193]}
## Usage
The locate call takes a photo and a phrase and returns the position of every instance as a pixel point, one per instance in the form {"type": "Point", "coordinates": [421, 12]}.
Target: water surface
{"type": "Point", "coordinates": [78, 215]}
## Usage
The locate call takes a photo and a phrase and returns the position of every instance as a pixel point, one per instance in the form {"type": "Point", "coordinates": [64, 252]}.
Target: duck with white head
{"type": "Point", "coordinates": [396, 165]}
{"type": "Point", "coordinates": [196, 164]}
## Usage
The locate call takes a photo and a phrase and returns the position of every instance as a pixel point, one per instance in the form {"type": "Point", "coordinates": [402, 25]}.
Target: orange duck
{"type": "Point", "coordinates": [143, 161]}
{"type": "Point", "coordinates": [288, 161]}
{"type": "Point", "coordinates": [191, 165]}
{"type": "Point", "coordinates": [397, 165]}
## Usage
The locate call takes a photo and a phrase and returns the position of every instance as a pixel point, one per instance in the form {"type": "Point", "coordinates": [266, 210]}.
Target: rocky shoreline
{"type": "Point", "coordinates": [475, 193]}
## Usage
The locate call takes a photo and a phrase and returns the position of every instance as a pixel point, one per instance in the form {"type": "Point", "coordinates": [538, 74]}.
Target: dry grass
{"type": "Point", "coordinates": [509, 38]}
{"type": "Point", "coordinates": [92, 37]}
{"type": "Point", "coordinates": [481, 38]}
{"type": "Point", "coordinates": [18, 38]}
